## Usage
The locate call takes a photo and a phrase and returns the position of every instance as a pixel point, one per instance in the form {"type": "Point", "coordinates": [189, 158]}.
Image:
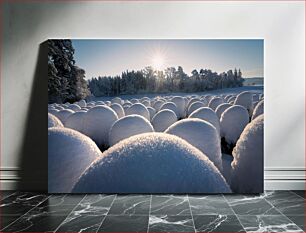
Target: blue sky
{"type": "Point", "coordinates": [111, 57]}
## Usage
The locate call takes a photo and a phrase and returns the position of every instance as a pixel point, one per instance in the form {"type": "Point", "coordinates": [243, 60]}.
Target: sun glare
{"type": "Point", "coordinates": [158, 62]}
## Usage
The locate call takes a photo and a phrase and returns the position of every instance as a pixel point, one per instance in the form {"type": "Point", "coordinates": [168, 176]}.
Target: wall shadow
{"type": "Point", "coordinates": [34, 151]}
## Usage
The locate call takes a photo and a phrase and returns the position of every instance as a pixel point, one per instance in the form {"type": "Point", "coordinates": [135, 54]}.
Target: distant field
{"type": "Point", "coordinates": [253, 82]}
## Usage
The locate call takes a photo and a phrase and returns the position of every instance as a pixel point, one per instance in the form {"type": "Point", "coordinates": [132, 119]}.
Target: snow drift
{"type": "Point", "coordinates": [53, 121]}
{"type": "Point", "coordinates": [138, 109]}
{"type": "Point", "coordinates": [202, 135]}
{"type": "Point", "coordinates": [247, 166]}
{"type": "Point", "coordinates": [259, 109]}
{"type": "Point", "coordinates": [232, 123]}
{"type": "Point", "coordinates": [207, 114]}
{"type": "Point", "coordinates": [69, 154]}
{"type": "Point", "coordinates": [129, 126]}
{"type": "Point", "coordinates": [163, 119]}
{"type": "Point", "coordinates": [152, 163]}
{"type": "Point", "coordinates": [97, 123]}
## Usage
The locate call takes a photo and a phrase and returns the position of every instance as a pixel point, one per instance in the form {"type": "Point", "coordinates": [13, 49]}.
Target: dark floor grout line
{"type": "Point", "coordinates": [56, 229]}
{"type": "Point", "coordinates": [25, 213]}
{"type": "Point", "coordinates": [297, 194]}
{"type": "Point", "coordinates": [234, 213]}
{"type": "Point", "coordinates": [149, 213]}
{"type": "Point", "coordinates": [283, 215]}
{"type": "Point", "coordinates": [8, 196]}
{"type": "Point", "coordinates": [191, 214]}
{"type": "Point", "coordinates": [106, 213]}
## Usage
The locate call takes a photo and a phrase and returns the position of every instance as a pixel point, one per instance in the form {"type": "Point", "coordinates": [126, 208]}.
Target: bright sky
{"type": "Point", "coordinates": [111, 57]}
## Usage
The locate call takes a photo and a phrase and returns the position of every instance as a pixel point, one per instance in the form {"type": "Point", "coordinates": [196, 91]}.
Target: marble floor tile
{"type": "Point", "coordinates": [7, 220]}
{"type": "Point", "coordinates": [5, 194]}
{"type": "Point", "coordinates": [35, 223]}
{"type": "Point", "coordinates": [21, 202]}
{"type": "Point", "coordinates": [95, 204]}
{"type": "Point", "coordinates": [217, 223]}
{"type": "Point", "coordinates": [168, 223]}
{"type": "Point", "coordinates": [81, 223]}
{"type": "Point", "coordinates": [209, 205]}
{"type": "Point", "coordinates": [266, 223]}
{"type": "Point", "coordinates": [130, 204]}
{"type": "Point", "coordinates": [286, 202]}
{"type": "Point", "coordinates": [170, 205]}
{"type": "Point", "coordinates": [250, 205]}
{"type": "Point", "coordinates": [124, 223]}
{"type": "Point", "coordinates": [301, 193]}
{"type": "Point", "coordinates": [299, 220]}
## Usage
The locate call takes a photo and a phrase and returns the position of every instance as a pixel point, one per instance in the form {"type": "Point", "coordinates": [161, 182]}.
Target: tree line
{"type": "Point", "coordinates": [149, 80]}
{"type": "Point", "coordinates": [66, 81]}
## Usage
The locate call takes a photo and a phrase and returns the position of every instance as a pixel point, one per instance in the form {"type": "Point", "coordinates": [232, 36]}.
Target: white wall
{"type": "Point", "coordinates": [26, 25]}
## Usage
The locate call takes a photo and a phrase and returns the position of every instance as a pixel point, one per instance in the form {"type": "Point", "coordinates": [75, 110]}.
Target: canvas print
{"type": "Point", "coordinates": [155, 116]}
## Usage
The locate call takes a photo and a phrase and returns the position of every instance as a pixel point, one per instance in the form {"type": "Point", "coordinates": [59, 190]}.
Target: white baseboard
{"type": "Point", "coordinates": [276, 178]}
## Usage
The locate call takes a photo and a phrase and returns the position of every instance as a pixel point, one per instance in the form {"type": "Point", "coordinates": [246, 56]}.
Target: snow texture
{"type": "Point", "coordinates": [202, 135]}
{"type": "Point", "coordinates": [247, 166]}
{"type": "Point", "coordinates": [138, 109]}
{"type": "Point", "coordinates": [215, 102]}
{"type": "Point", "coordinates": [118, 109]}
{"type": "Point", "coordinates": [152, 112]}
{"type": "Point", "coordinates": [152, 163]}
{"type": "Point", "coordinates": [194, 106]}
{"type": "Point", "coordinates": [221, 108]}
{"type": "Point", "coordinates": [63, 114]}
{"type": "Point", "coordinates": [97, 123]}
{"type": "Point", "coordinates": [76, 121]}
{"type": "Point", "coordinates": [259, 109]}
{"type": "Point", "coordinates": [233, 121]}
{"type": "Point", "coordinates": [163, 119]}
{"type": "Point", "coordinates": [207, 114]}
{"type": "Point", "coordinates": [53, 121]}
{"type": "Point", "coordinates": [245, 99]}
{"type": "Point", "coordinates": [69, 154]}
{"type": "Point", "coordinates": [180, 103]}
{"type": "Point", "coordinates": [129, 126]}
{"type": "Point", "coordinates": [171, 106]}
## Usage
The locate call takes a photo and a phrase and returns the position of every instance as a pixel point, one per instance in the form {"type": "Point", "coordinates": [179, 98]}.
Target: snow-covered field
{"type": "Point", "coordinates": [208, 142]}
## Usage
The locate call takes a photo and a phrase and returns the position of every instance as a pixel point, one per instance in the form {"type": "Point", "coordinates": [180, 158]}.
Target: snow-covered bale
{"type": "Point", "coordinates": [138, 109]}
{"type": "Point", "coordinates": [171, 106]}
{"type": "Point", "coordinates": [233, 121]}
{"type": "Point", "coordinates": [99, 103]}
{"type": "Point", "coordinates": [247, 166]}
{"type": "Point", "coordinates": [191, 101]}
{"type": "Point", "coordinates": [74, 107]}
{"type": "Point", "coordinates": [207, 114]}
{"type": "Point", "coordinates": [69, 154]}
{"type": "Point", "coordinates": [152, 163]}
{"type": "Point", "coordinates": [245, 99]}
{"type": "Point", "coordinates": [134, 101]}
{"type": "Point", "coordinates": [53, 111]}
{"type": "Point", "coordinates": [202, 135]}
{"type": "Point", "coordinates": [118, 109]}
{"type": "Point", "coordinates": [152, 112]}
{"type": "Point", "coordinates": [146, 103]}
{"type": "Point", "coordinates": [157, 105]}
{"type": "Point", "coordinates": [215, 102]}
{"type": "Point", "coordinates": [63, 114]}
{"type": "Point", "coordinates": [116, 100]}
{"type": "Point", "coordinates": [259, 109]}
{"type": "Point", "coordinates": [194, 106]}
{"type": "Point", "coordinates": [232, 99]}
{"type": "Point", "coordinates": [81, 103]}
{"type": "Point", "coordinates": [180, 103]}
{"type": "Point", "coordinates": [97, 123]}
{"type": "Point", "coordinates": [76, 121]}
{"type": "Point", "coordinates": [53, 121]}
{"type": "Point", "coordinates": [129, 126]}
{"type": "Point", "coordinates": [163, 119]}
{"type": "Point", "coordinates": [221, 108]}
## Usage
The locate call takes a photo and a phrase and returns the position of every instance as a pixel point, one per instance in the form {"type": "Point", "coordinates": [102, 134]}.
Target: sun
{"type": "Point", "coordinates": [158, 61]}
